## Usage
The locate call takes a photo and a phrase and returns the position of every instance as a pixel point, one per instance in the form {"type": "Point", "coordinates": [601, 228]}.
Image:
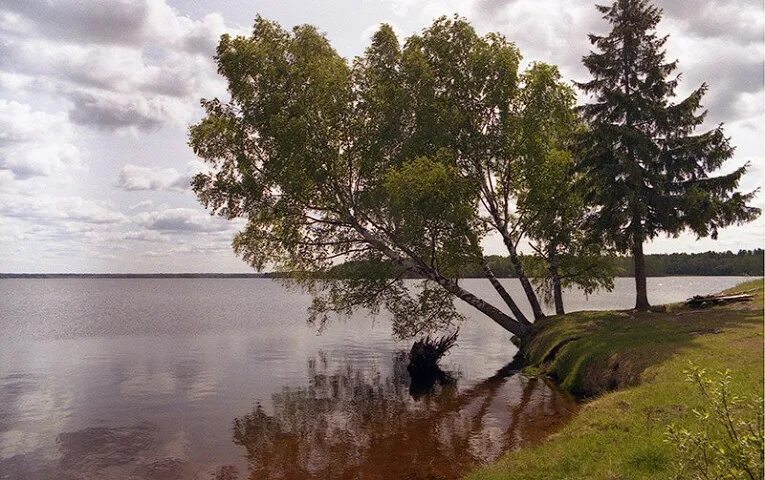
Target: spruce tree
{"type": "Point", "coordinates": [649, 171]}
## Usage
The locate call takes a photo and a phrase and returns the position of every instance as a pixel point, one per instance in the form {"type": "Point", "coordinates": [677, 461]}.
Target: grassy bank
{"type": "Point", "coordinates": [620, 434]}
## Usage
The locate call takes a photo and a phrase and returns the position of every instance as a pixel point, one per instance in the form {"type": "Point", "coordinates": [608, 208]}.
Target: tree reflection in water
{"type": "Point", "coordinates": [348, 424]}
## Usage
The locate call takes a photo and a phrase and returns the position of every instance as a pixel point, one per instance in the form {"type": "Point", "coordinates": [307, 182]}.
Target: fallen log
{"type": "Point", "coordinates": [704, 301]}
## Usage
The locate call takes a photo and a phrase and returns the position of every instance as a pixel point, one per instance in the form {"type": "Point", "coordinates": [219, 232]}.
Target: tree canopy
{"type": "Point", "coordinates": [400, 162]}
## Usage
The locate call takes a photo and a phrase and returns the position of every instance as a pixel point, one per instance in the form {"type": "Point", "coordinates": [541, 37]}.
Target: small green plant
{"type": "Point", "coordinates": [729, 445]}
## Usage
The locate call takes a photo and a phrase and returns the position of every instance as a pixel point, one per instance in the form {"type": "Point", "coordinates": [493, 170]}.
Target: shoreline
{"type": "Point", "coordinates": [627, 370]}
{"type": "Point", "coordinates": [269, 275]}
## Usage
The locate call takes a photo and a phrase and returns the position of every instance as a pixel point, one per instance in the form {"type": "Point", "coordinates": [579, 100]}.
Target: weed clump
{"type": "Point", "coordinates": [729, 445]}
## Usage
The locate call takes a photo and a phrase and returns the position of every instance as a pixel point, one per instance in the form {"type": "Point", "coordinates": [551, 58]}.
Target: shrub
{"type": "Point", "coordinates": [729, 443]}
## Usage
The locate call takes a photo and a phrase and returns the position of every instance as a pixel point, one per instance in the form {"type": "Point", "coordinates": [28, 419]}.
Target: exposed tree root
{"type": "Point", "coordinates": [423, 363]}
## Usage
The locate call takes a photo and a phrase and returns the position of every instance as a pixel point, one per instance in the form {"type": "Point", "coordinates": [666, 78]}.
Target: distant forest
{"type": "Point", "coordinates": [745, 262]}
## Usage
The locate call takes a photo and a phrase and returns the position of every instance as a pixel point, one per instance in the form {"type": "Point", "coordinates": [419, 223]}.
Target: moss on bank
{"type": "Point", "coordinates": [620, 432]}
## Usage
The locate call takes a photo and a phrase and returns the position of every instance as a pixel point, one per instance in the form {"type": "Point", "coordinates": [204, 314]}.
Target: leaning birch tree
{"type": "Point", "coordinates": [399, 163]}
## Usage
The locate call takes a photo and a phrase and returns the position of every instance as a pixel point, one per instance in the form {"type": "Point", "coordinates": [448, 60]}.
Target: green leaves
{"type": "Point", "coordinates": [641, 142]}
{"type": "Point", "coordinates": [408, 156]}
{"type": "Point", "coordinates": [430, 190]}
{"type": "Point", "coordinates": [331, 162]}
{"type": "Point", "coordinates": [433, 209]}
{"type": "Point", "coordinates": [731, 444]}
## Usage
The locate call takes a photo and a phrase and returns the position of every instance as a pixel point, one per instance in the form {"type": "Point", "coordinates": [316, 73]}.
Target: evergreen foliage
{"type": "Point", "coordinates": [649, 170]}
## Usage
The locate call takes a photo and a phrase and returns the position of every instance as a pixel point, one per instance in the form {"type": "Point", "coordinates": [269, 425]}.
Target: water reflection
{"type": "Point", "coordinates": [122, 379]}
{"type": "Point", "coordinates": [348, 424]}
{"type": "Point", "coordinates": [132, 451]}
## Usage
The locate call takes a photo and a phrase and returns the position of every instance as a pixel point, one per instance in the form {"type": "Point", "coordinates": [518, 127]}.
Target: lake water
{"type": "Point", "coordinates": [222, 378]}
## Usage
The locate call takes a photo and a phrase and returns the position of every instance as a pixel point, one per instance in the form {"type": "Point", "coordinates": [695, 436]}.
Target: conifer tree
{"type": "Point", "coordinates": [649, 170]}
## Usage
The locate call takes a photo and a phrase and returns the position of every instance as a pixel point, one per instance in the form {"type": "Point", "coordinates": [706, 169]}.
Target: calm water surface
{"type": "Point", "coordinates": [206, 378]}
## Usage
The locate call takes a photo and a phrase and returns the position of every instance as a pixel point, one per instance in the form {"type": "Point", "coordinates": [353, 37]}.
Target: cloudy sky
{"type": "Point", "coordinates": [96, 97]}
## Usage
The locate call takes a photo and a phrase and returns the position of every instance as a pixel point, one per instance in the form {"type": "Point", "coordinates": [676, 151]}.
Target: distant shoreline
{"type": "Point", "coordinates": [241, 275]}
{"type": "Point", "coordinates": [744, 263]}
{"type": "Point", "coordinates": [139, 275]}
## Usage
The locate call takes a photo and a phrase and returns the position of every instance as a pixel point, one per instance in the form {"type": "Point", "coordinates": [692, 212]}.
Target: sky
{"type": "Point", "coordinates": [96, 98]}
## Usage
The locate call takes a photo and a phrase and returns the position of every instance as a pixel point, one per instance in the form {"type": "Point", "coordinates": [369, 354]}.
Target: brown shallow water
{"type": "Point", "coordinates": [347, 426]}
{"type": "Point", "coordinates": [202, 378]}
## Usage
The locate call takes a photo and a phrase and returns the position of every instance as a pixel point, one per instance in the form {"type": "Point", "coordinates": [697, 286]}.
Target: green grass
{"type": "Point", "coordinates": [620, 434]}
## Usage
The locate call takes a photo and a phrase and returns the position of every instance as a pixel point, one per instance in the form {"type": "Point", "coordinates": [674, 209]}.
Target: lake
{"type": "Point", "coordinates": [222, 378]}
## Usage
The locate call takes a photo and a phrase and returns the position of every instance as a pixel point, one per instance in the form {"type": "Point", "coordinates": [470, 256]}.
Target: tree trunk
{"type": "Point", "coordinates": [555, 279]}
{"type": "Point", "coordinates": [525, 283]}
{"type": "Point", "coordinates": [641, 290]}
{"type": "Point", "coordinates": [558, 296]}
{"type": "Point", "coordinates": [503, 293]}
{"type": "Point", "coordinates": [505, 321]}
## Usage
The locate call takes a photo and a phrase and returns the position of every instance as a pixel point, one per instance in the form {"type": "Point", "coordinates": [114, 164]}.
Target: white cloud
{"type": "Point", "coordinates": [34, 143]}
{"type": "Point", "coordinates": [142, 205]}
{"type": "Point", "coordinates": [60, 210]}
{"type": "Point", "coordinates": [133, 65]}
{"type": "Point", "coordinates": [117, 68]}
{"type": "Point", "coordinates": [183, 220]}
{"type": "Point", "coordinates": [734, 73]}
{"type": "Point", "coordinates": [134, 177]}
{"type": "Point", "coordinates": [121, 22]}
{"type": "Point", "coordinates": [110, 88]}
{"type": "Point", "coordinates": [72, 72]}
{"type": "Point", "coordinates": [114, 111]}
{"type": "Point", "coordinates": [146, 236]}
{"type": "Point", "coordinates": [740, 21]}
{"type": "Point", "coordinates": [429, 8]}
{"type": "Point", "coordinates": [540, 35]}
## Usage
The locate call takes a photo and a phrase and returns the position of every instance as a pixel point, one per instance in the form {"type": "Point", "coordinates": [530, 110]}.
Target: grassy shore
{"type": "Point", "coordinates": [631, 366]}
